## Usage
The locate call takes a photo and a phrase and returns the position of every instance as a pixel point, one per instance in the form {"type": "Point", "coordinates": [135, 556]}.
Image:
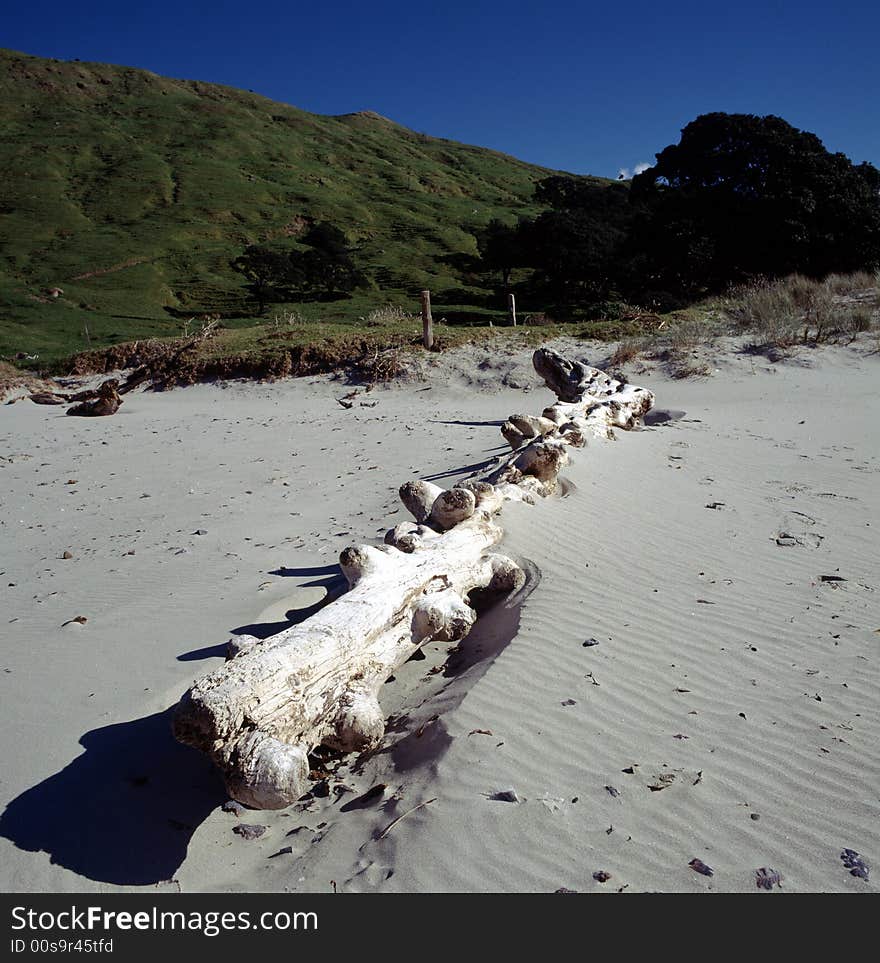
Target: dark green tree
{"type": "Point", "coordinates": [501, 249]}
{"type": "Point", "coordinates": [269, 274]}
{"type": "Point", "coordinates": [742, 195]}
{"type": "Point", "coordinates": [574, 245]}
{"type": "Point", "coordinates": [326, 237]}
{"type": "Point", "coordinates": [328, 266]}
{"type": "Point", "coordinates": [325, 267]}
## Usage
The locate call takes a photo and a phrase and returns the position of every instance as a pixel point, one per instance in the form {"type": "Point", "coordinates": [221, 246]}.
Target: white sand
{"type": "Point", "coordinates": [772, 678]}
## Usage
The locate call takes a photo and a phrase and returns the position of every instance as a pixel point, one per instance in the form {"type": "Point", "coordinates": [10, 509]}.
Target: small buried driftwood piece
{"type": "Point", "coordinates": [103, 400]}
{"type": "Point", "coordinates": [274, 700]}
{"type": "Point", "coordinates": [106, 403]}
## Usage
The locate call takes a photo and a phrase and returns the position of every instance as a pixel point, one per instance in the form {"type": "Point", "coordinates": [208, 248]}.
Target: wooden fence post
{"type": "Point", "coordinates": [427, 320]}
{"type": "Point", "coordinates": [511, 307]}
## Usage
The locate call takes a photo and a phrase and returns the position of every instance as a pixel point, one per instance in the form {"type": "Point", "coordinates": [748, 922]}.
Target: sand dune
{"type": "Point", "coordinates": [723, 709]}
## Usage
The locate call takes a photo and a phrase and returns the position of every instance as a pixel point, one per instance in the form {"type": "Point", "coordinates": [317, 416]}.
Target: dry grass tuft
{"type": "Point", "coordinates": [288, 319]}
{"type": "Point", "coordinates": [848, 284]}
{"type": "Point", "coordinates": [861, 319]}
{"type": "Point", "coordinates": [387, 314]}
{"type": "Point", "coordinates": [627, 351]}
{"type": "Point", "coordinates": [690, 369]}
{"type": "Point", "coordinates": [687, 334]}
{"type": "Point", "coordinates": [800, 310]}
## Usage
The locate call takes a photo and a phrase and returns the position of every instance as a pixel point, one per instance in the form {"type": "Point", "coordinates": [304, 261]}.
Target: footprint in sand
{"type": "Point", "coordinates": [371, 874]}
{"type": "Point", "coordinates": [794, 531]}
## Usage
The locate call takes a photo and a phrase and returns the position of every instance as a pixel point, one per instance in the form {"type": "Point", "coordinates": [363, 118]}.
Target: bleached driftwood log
{"type": "Point", "coordinates": [318, 682]}
{"type": "Point", "coordinates": [591, 403]}
{"type": "Point", "coordinates": [260, 714]}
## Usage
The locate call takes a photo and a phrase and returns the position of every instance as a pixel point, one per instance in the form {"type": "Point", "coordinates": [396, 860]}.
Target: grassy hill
{"type": "Point", "coordinates": [131, 193]}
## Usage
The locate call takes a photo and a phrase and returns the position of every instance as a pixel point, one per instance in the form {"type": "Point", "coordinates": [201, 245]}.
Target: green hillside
{"type": "Point", "coordinates": [131, 193]}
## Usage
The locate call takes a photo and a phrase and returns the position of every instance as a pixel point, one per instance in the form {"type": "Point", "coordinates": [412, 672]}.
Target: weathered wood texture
{"type": "Point", "coordinates": [591, 403]}
{"type": "Point", "coordinates": [427, 321]}
{"type": "Point", "coordinates": [260, 714]}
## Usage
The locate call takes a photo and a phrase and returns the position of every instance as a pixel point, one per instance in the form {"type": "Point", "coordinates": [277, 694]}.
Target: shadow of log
{"type": "Point", "coordinates": [425, 738]}
{"type": "Point", "coordinates": [661, 416]}
{"type": "Point", "coordinates": [208, 652]}
{"type": "Point", "coordinates": [468, 424]}
{"type": "Point", "coordinates": [495, 629]}
{"type": "Point", "coordinates": [461, 470]}
{"type": "Point", "coordinates": [122, 812]}
{"type": "Point", "coordinates": [286, 572]}
{"type": "Point", "coordinates": [335, 585]}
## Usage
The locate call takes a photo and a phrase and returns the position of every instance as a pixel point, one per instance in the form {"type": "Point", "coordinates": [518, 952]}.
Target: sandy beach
{"type": "Point", "coordinates": [690, 673]}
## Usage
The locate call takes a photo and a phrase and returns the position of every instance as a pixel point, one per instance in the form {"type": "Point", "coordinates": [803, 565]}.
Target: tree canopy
{"type": "Point", "coordinates": [501, 249]}
{"type": "Point", "coordinates": [739, 196]}
{"type": "Point", "coordinates": [268, 273]}
{"type": "Point", "coordinates": [328, 266]}
{"type": "Point", "coordinates": [325, 269]}
{"type": "Point", "coordinates": [574, 247]}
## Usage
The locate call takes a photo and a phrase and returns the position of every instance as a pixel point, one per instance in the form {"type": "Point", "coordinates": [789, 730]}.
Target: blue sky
{"type": "Point", "coordinates": [585, 87]}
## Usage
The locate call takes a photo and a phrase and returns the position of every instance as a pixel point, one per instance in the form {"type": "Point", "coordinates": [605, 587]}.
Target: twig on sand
{"type": "Point", "coordinates": [394, 822]}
